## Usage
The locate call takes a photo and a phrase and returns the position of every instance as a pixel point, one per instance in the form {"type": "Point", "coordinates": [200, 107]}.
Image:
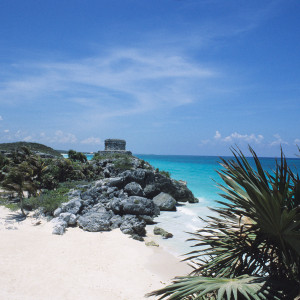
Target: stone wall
{"type": "Point", "coordinates": [115, 145]}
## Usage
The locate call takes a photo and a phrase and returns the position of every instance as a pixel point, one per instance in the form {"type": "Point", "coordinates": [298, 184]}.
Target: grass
{"type": "Point", "coordinates": [50, 200]}
{"type": "Point", "coordinates": [98, 156]}
{"type": "Point", "coordinates": [123, 163]}
{"type": "Point", "coordinates": [164, 173]}
{"type": "Point", "coordinates": [12, 206]}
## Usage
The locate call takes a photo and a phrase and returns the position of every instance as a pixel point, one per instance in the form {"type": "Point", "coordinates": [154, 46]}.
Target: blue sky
{"type": "Point", "coordinates": [169, 76]}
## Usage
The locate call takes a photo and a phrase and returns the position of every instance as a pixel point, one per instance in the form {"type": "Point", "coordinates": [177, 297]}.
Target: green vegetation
{"type": "Point", "coordinates": [113, 156]}
{"type": "Point", "coordinates": [24, 171]}
{"type": "Point", "coordinates": [33, 147]}
{"type": "Point", "coordinates": [251, 250]}
{"type": "Point", "coordinates": [12, 206]}
{"type": "Point", "coordinates": [48, 201]}
{"type": "Point", "coordinates": [164, 173]}
{"type": "Point", "coordinates": [123, 163]}
{"type": "Point", "coordinates": [77, 156]}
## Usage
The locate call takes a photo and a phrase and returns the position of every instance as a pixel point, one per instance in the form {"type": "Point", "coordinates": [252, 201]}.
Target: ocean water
{"type": "Point", "coordinates": [200, 174]}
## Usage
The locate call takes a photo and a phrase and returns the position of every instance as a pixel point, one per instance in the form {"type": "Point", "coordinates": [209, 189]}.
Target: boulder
{"type": "Point", "coordinates": [152, 244]}
{"type": "Point", "coordinates": [182, 193]}
{"type": "Point", "coordinates": [69, 218]}
{"type": "Point", "coordinates": [116, 205]}
{"type": "Point", "coordinates": [115, 221]}
{"type": "Point", "coordinates": [57, 212]}
{"type": "Point", "coordinates": [114, 182]}
{"type": "Point", "coordinates": [151, 190]}
{"type": "Point", "coordinates": [73, 206]}
{"type": "Point", "coordinates": [137, 175]}
{"type": "Point", "coordinates": [59, 226]}
{"type": "Point", "coordinates": [160, 231]}
{"type": "Point", "coordinates": [133, 189]}
{"type": "Point", "coordinates": [165, 202]}
{"type": "Point", "coordinates": [95, 221]}
{"type": "Point", "coordinates": [135, 205]}
{"type": "Point", "coordinates": [133, 226]}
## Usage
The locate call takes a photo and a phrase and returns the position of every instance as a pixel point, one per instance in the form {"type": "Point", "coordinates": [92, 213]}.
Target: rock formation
{"type": "Point", "coordinates": [126, 197]}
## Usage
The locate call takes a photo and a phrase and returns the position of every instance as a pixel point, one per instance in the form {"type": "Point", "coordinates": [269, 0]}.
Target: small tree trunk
{"type": "Point", "coordinates": [21, 204]}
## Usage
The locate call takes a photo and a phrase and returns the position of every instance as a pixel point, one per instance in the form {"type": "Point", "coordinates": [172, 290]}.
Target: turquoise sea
{"type": "Point", "coordinates": [200, 173]}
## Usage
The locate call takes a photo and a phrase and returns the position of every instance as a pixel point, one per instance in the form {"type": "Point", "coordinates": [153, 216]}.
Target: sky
{"type": "Point", "coordinates": [186, 77]}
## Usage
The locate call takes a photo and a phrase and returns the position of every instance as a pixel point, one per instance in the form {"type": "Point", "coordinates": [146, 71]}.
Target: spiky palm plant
{"type": "Point", "coordinates": [17, 181]}
{"type": "Point", "coordinates": [251, 249]}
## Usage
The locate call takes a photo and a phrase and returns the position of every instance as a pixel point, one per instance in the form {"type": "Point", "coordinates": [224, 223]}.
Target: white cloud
{"type": "Point", "coordinates": [91, 141]}
{"type": "Point", "coordinates": [122, 82]}
{"type": "Point", "coordinates": [278, 141]}
{"type": "Point", "coordinates": [249, 138]}
{"type": "Point", "coordinates": [61, 137]}
{"type": "Point", "coordinates": [217, 135]}
{"type": "Point", "coordinates": [6, 130]}
{"type": "Point", "coordinates": [1, 119]}
{"type": "Point", "coordinates": [297, 141]}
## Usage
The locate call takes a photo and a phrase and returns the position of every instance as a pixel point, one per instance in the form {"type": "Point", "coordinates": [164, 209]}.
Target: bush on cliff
{"type": "Point", "coordinates": [251, 250]}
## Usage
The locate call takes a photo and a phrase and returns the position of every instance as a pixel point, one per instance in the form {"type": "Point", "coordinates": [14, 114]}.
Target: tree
{"type": "Point", "coordinates": [77, 156]}
{"type": "Point", "coordinates": [16, 181]}
{"type": "Point", "coordinates": [251, 250]}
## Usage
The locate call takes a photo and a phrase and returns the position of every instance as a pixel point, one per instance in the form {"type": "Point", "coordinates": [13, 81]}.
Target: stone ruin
{"type": "Point", "coordinates": [115, 146]}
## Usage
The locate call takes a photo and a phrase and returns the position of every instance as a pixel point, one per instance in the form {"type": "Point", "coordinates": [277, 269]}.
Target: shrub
{"type": "Point", "coordinates": [123, 163]}
{"type": "Point", "coordinates": [48, 201]}
{"type": "Point", "coordinates": [12, 206]}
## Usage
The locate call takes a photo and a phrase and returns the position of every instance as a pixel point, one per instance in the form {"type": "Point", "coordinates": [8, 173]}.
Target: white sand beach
{"type": "Point", "coordinates": [36, 265]}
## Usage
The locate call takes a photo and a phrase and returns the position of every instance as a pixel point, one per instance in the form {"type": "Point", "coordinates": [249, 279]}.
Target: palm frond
{"type": "Point", "coordinates": [197, 287]}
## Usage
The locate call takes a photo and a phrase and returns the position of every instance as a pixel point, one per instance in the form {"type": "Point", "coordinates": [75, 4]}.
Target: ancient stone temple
{"type": "Point", "coordinates": [115, 146]}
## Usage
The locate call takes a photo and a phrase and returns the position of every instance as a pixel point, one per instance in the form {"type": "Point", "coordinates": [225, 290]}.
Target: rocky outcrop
{"type": "Point", "coordinates": [165, 201]}
{"type": "Point", "coordinates": [127, 199]}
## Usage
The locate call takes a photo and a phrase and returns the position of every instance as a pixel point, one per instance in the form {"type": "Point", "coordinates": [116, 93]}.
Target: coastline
{"type": "Point", "coordinates": [78, 265]}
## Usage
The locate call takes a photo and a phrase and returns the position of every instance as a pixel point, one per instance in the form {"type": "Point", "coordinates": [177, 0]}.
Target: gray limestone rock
{"type": "Point", "coordinates": [160, 231]}
{"type": "Point", "coordinates": [59, 226]}
{"type": "Point", "coordinates": [95, 221]}
{"type": "Point", "coordinates": [115, 221]}
{"type": "Point", "coordinates": [151, 190]}
{"type": "Point", "coordinates": [133, 226]}
{"type": "Point", "coordinates": [73, 206]}
{"type": "Point", "coordinates": [165, 202]}
{"type": "Point", "coordinates": [68, 218]}
{"type": "Point", "coordinates": [135, 205]}
{"type": "Point", "coordinates": [133, 189]}
{"type": "Point", "coordinates": [114, 182]}
{"type": "Point", "coordinates": [57, 212]}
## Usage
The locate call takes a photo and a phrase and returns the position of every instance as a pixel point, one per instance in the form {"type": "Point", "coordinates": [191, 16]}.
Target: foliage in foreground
{"type": "Point", "coordinates": [50, 200]}
{"type": "Point", "coordinates": [24, 171]}
{"type": "Point", "coordinates": [251, 249]}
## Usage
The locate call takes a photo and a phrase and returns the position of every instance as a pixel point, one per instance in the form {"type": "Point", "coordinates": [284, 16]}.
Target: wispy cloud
{"type": "Point", "coordinates": [297, 141]}
{"type": "Point", "coordinates": [236, 137]}
{"type": "Point", "coordinates": [1, 119]}
{"type": "Point", "coordinates": [57, 137]}
{"type": "Point", "coordinates": [122, 82]}
{"type": "Point", "coordinates": [249, 138]}
{"type": "Point", "coordinates": [91, 141]}
{"type": "Point", "coordinates": [217, 135]}
{"type": "Point", "coordinates": [278, 141]}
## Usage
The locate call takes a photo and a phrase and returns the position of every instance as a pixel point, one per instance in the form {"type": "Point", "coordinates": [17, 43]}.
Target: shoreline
{"type": "Point", "coordinates": [78, 265]}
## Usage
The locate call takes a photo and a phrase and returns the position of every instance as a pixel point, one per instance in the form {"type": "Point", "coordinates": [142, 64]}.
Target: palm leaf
{"type": "Point", "coordinates": [242, 287]}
